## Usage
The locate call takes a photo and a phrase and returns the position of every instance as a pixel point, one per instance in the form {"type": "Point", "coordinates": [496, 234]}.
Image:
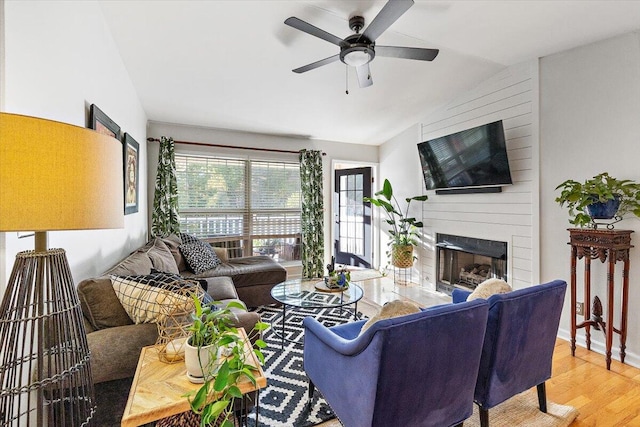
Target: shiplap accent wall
{"type": "Point", "coordinates": [511, 216]}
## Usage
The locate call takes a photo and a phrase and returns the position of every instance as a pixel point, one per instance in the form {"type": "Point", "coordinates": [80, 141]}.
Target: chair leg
{"type": "Point", "coordinates": [542, 397]}
{"type": "Point", "coordinates": [484, 417]}
{"type": "Point", "coordinates": [310, 395]}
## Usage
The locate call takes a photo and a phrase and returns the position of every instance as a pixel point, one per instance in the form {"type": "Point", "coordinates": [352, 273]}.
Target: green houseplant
{"type": "Point", "coordinates": [402, 228]}
{"type": "Point", "coordinates": [600, 197]}
{"type": "Point", "coordinates": [222, 363]}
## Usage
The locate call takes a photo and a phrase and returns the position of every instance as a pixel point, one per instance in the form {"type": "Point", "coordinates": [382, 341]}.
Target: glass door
{"type": "Point", "coordinates": [353, 217]}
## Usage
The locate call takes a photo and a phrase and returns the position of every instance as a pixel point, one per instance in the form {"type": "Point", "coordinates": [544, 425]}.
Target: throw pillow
{"type": "Point", "coordinates": [161, 257]}
{"type": "Point", "coordinates": [392, 309]}
{"type": "Point", "coordinates": [188, 238]}
{"type": "Point", "coordinates": [222, 253]}
{"type": "Point", "coordinates": [200, 256]}
{"type": "Point", "coordinates": [489, 287]}
{"type": "Point", "coordinates": [145, 298]}
{"type": "Point", "coordinates": [180, 282]}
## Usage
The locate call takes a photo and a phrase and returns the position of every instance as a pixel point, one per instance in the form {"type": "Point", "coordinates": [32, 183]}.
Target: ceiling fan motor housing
{"type": "Point", "coordinates": [357, 50]}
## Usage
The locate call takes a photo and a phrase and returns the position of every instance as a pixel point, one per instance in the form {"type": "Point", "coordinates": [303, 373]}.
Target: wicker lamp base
{"type": "Point", "coordinates": [45, 374]}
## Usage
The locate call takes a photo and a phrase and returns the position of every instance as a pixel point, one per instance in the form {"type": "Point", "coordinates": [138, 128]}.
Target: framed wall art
{"type": "Point", "coordinates": [131, 172]}
{"type": "Point", "coordinates": [101, 123]}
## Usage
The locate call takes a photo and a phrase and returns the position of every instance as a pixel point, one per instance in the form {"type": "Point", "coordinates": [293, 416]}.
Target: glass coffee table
{"type": "Point", "coordinates": [304, 294]}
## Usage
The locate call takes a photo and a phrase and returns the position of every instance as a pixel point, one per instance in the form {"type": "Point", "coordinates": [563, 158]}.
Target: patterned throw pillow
{"type": "Point", "coordinates": [188, 238]}
{"type": "Point", "coordinates": [147, 298]}
{"type": "Point", "coordinates": [200, 256]}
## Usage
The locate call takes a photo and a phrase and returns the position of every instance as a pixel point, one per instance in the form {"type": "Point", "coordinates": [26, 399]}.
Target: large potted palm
{"type": "Point", "coordinates": [403, 229]}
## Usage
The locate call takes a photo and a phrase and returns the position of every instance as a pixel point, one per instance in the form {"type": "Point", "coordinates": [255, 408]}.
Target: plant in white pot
{"type": "Point", "coordinates": [215, 356]}
{"type": "Point", "coordinates": [403, 230]}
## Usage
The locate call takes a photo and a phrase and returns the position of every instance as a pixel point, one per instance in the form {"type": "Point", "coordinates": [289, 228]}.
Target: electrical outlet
{"type": "Point", "coordinates": [580, 308]}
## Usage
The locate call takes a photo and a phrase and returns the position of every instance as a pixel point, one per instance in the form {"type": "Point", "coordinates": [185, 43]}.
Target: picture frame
{"type": "Point", "coordinates": [131, 157]}
{"type": "Point", "coordinates": [101, 123]}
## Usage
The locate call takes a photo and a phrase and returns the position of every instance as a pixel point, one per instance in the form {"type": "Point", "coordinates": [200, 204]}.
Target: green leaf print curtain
{"type": "Point", "coordinates": [165, 199]}
{"type": "Point", "coordinates": [312, 213]}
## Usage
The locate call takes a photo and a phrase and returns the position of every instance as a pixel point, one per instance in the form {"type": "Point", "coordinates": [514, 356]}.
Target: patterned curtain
{"type": "Point", "coordinates": [312, 214]}
{"type": "Point", "coordinates": [165, 199]}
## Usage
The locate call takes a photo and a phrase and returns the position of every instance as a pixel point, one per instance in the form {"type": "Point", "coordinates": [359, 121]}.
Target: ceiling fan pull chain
{"type": "Point", "coordinates": [347, 79]}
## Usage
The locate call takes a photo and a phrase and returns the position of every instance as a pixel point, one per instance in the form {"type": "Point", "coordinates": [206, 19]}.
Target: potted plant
{"type": "Point", "coordinates": [215, 352]}
{"type": "Point", "coordinates": [600, 197]}
{"type": "Point", "coordinates": [403, 229]}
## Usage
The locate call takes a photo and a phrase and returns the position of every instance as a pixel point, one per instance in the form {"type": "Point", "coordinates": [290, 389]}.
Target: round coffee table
{"type": "Point", "coordinates": [302, 293]}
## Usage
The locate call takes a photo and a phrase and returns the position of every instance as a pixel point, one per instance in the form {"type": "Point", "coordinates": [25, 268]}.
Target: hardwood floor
{"type": "Point", "coordinates": [603, 398]}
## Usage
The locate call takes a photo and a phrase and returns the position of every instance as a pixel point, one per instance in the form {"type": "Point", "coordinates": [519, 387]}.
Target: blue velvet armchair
{"type": "Point", "coordinates": [415, 370]}
{"type": "Point", "coordinates": [518, 344]}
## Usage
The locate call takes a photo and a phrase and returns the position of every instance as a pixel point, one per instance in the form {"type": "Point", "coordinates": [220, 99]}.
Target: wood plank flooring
{"type": "Point", "coordinates": [603, 398]}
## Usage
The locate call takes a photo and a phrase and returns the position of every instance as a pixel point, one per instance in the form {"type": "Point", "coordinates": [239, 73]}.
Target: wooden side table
{"type": "Point", "coordinates": [605, 245]}
{"type": "Point", "coordinates": [158, 388]}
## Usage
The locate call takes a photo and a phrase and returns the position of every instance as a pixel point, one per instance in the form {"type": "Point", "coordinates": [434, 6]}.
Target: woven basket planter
{"type": "Point", "coordinates": [402, 256]}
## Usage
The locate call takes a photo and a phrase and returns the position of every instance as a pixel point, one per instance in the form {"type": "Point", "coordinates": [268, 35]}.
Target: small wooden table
{"type": "Point", "coordinates": [605, 245]}
{"type": "Point", "coordinates": [158, 388]}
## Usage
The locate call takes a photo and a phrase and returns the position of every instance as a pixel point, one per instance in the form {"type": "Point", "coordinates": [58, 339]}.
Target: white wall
{"type": "Point", "coordinates": [590, 123]}
{"type": "Point", "coordinates": [510, 216]}
{"type": "Point", "coordinates": [334, 151]}
{"type": "Point", "coordinates": [59, 59]}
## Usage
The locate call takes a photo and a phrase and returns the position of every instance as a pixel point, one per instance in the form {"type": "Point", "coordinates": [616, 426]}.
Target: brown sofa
{"type": "Point", "coordinates": [115, 341]}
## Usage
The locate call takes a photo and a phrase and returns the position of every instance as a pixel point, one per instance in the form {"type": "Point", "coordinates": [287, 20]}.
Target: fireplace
{"type": "Point", "coordinates": [465, 262]}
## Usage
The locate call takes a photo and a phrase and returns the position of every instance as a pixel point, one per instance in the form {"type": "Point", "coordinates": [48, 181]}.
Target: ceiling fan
{"type": "Point", "coordinates": [359, 49]}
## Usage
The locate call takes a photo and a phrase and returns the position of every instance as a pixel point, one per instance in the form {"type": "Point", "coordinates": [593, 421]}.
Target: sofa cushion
{"type": "Point", "coordinates": [145, 298]}
{"type": "Point", "coordinates": [115, 351]}
{"type": "Point", "coordinates": [161, 257]}
{"type": "Point", "coordinates": [136, 263]}
{"type": "Point", "coordinates": [200, 256]}
{"type": "Point", "coordinates": [100, 305]}
{"type": "Point", "coordinates": [247, 271]}
{"type": "Point", "coordinates": [221, 288]}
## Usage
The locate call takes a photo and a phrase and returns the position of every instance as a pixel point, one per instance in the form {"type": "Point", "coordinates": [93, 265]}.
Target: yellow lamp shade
{"type": "Point", "coordinates": [56, 176]}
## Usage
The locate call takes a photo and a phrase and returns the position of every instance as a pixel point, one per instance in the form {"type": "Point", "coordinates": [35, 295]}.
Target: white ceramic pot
{"type": "Point", "coordinates": [199, 360]}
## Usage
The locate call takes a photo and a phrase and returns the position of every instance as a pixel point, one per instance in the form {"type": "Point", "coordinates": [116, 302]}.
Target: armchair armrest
{"type": "Point", "coordinates": [458, 295]}
{"type": "Point", "coordinates": [338, 343]}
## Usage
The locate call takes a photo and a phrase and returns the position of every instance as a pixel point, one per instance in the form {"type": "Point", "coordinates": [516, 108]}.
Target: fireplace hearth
{"type": "Point", "coordinates": [465, 262]}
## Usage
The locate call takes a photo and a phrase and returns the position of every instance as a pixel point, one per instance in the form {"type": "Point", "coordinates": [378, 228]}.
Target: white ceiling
{"type": "Point", "coordinates": [227, 64]}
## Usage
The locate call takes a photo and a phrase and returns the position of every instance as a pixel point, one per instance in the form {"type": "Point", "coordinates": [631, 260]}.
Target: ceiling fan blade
{"type": "Point", "coordinates": [407, 52]}
{"type": "Point", "coordinates": [391, 11]}
{"type": "Point", "coordinates": [317, 64]}
{"type": "Point", "coordinates": [364, 75]}
{"type": "Point", "coordinates": [301, 25]}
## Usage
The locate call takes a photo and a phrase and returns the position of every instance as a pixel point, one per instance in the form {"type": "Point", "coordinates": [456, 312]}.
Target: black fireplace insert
{"type": "Point", "coordinates": [465, 262]}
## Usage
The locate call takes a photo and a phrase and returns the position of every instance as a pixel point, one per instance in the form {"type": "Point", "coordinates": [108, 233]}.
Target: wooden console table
{"type": "Point", "coordinates": [611, 245]}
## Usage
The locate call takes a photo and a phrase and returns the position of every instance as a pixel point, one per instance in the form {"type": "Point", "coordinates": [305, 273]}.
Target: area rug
{"type": "Point", "coordinates": [283, 403]}
{"type": "Point", "coordinates": [522, 410]}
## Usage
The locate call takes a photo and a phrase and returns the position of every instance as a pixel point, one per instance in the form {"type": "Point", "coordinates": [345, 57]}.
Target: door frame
{"type": "Point", "coordinates": [375, 234]}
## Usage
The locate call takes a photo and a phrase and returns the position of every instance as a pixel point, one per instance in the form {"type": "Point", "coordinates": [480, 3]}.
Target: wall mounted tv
{"type": "Point", "coordinates": [471, 159]}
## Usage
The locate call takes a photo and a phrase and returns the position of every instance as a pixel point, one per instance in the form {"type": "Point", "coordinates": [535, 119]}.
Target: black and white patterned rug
{"type": "Point", "coordinates": [283, 403]}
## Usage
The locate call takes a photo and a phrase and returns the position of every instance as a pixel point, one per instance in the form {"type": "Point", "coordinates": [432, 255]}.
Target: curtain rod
{"type": "Point", "coordinates": [271, 150]}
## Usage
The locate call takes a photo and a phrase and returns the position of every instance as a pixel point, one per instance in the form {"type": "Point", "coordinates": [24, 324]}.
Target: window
{"type": "Point", "coordinates": [251, 207]}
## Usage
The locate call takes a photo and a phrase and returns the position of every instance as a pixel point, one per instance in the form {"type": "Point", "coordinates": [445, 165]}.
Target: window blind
{"type": "Point", "coordinates": [256, 202]}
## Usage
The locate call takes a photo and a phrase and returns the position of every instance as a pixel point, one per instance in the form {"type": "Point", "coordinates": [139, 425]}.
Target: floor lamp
{"type": "Point", "coordinates": [53, 176]}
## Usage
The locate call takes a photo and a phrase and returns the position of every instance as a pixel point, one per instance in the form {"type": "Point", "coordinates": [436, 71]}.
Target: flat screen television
{"type": "Point", "coordinates": [474, 157]}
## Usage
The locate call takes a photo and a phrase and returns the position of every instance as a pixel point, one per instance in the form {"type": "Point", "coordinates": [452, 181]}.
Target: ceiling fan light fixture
{"type": "Point", "coordinates": [356, 56]}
